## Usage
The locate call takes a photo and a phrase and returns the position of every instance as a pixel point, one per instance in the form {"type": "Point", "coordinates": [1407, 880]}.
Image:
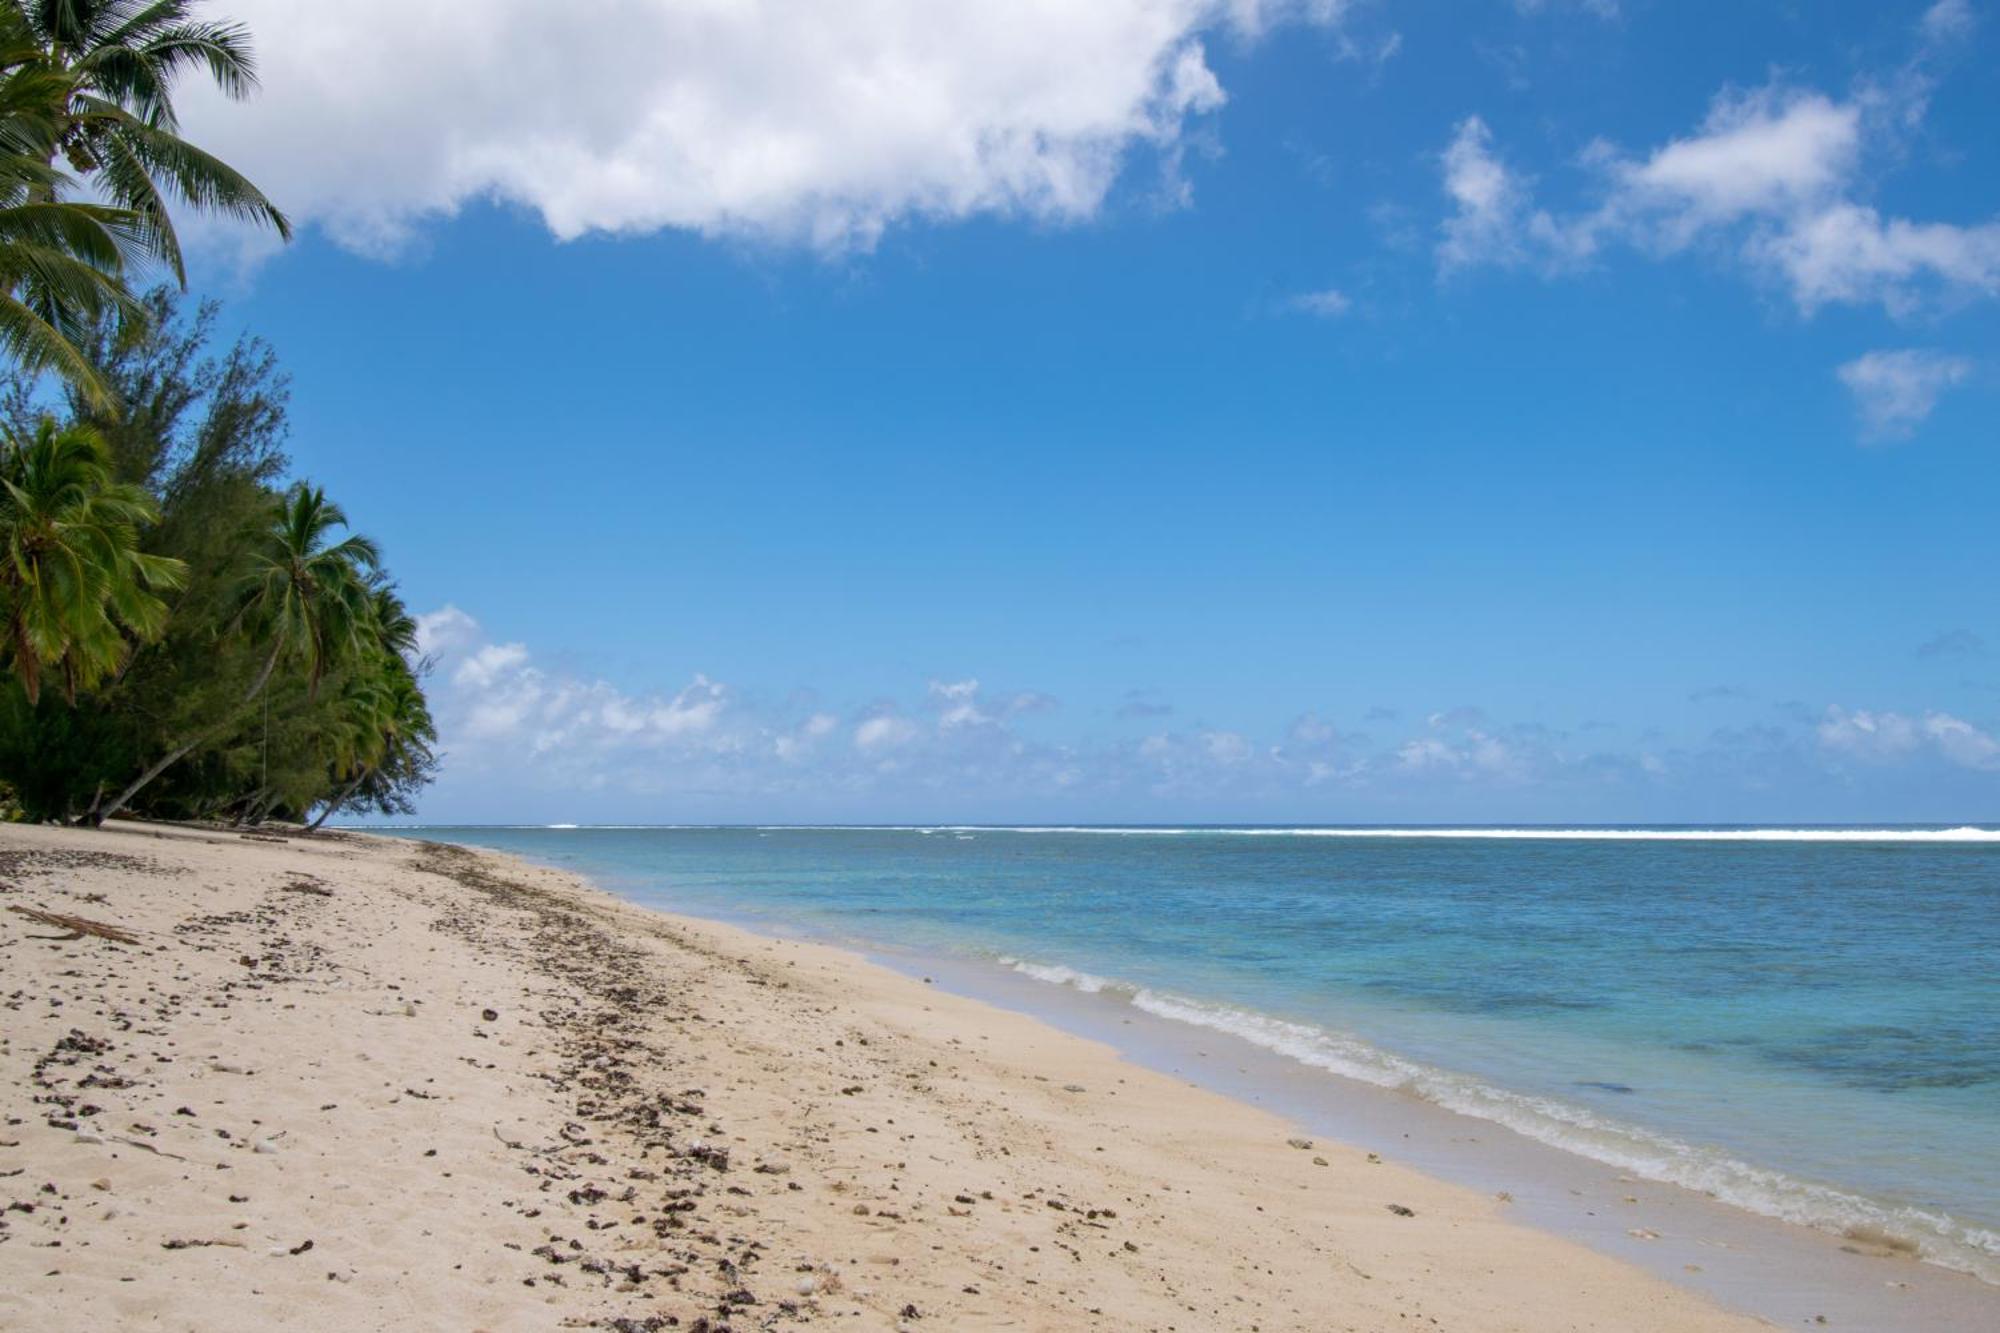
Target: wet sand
{"type": "Point", "coordinates": [353, 1082]}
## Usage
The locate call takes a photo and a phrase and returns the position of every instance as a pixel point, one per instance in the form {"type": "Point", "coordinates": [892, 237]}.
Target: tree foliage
{"type": "Point", "coordinates": [278, 673]}
{"type": "Point", "coordinates": [221, 643]}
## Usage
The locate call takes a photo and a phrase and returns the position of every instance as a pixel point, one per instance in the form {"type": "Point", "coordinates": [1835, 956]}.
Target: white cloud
{"type": "Point", "coordinates": [958, 703]}
{"type": "Point", "coordinates": [796, 121]}
{"type": "Point", "coordinates": [1774, 176]}
{"type": "Point", "coordinates": [1890, 737]}
{"type": "Point", "coordinates": [1226, 747]}
{"type": "Point", "coordinates": [1848, 253]}
{"type": "Point", "coordinates": [879, 734]}
{"type": "Point", "coordinates": [1768, 151]}
{"type": "Point", "coordinates": [1948, 21]}
{"type": "Point", "coordinates": [1896, 391]}
{"type": "Point", "coordinates": [1488, 202]}
{"type": "Point", "coordinates": [445, 630]}
{"type": "Point", "coordinates": [1494, 219]}
{"type": "Point", "coordinates": [1328, 303]}
{"type": "Point", "coordinates": [524, 739]}
{"type": "Point", "coordinates": [1604, 9]}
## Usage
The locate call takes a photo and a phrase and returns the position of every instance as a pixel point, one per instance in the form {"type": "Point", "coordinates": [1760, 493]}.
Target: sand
{"type": "Point", "coordinates": [353, 1083]}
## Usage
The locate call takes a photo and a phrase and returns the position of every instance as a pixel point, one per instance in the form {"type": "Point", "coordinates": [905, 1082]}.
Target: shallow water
{"type": "Point", "coordinates": [1801, 1022]}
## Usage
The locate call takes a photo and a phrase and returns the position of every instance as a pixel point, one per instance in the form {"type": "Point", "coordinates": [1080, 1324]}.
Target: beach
{"type": "Point", "coordinates": [359, 1082]}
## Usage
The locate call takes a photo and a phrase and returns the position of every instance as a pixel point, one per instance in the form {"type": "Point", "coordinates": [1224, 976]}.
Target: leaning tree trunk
{"type": "Point", "coordinates": [248, 812]}
{"type": "Point", "coordinates": [139, 783]}
{"type": "Point", "coordinates": [118, 802]}
{"type": "Point", "coordinates": [260, 808]}
{"type": "Point", "coordinates": [337, 801]}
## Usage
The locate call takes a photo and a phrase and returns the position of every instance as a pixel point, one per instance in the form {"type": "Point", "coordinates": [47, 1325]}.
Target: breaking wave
{"type": "Point", "coordinates": [1965, 833]}
{"type": "Point", "coordinates": [1931, 1234]}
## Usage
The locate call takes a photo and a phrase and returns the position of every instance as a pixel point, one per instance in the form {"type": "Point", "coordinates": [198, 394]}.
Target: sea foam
{"type": "Point", "coordinates": [1933, 1235]}
{"type": "Point", "coordinates": [1967, 833]}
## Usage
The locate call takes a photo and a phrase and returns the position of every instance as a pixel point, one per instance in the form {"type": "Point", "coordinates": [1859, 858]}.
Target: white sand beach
{"type": "Point", "coordinates": [352, 1082]}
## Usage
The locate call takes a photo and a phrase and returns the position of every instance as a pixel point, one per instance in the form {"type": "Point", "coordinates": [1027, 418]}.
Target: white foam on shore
{"type": "Point", "coordinates": [1966, 833]}
{"type": "Point", "coordinates": [1935, 1236]}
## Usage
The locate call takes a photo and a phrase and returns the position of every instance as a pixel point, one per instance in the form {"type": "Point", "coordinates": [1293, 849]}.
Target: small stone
{"type": "Point", "coordinates": [1400, 1211]}
{"type": "Point", "coordinates": [1301, 1144]}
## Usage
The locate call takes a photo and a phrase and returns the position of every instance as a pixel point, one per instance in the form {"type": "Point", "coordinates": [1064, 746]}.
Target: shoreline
{"type": "Point", "coordinates": [982, 1168]}
{"type": "Point", "coordinates": [1763, 1263]}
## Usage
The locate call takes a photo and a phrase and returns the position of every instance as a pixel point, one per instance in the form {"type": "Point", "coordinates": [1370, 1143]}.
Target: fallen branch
{"type": "Point", "coordinates": [140, 1143]}
{"type": "Point", "coordinates": [77, 926]}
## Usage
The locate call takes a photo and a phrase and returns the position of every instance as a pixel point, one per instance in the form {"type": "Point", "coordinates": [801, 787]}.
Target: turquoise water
{"type": "Point", "coordinates": [1802, 1022]}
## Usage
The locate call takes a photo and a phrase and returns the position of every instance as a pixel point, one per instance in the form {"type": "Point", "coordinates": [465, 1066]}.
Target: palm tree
{"type": "Point", "coordinates": [387, 724]}
{"type": "Point", "coordinates": [310, 598]}
{"type": "Point", "coordinates": [73, 581]}
{"type": "Point", "coordinates": [62, 263]}
{"type": "Point", "coordinates": [122, 59]}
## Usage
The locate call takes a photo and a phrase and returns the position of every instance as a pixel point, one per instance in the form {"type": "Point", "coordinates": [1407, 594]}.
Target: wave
{"type": "Point", "coordinates": [1964, 834]}
{"type": "Point", "coordinates": [1967, 833]}
{"type": "Point", "coordinates": [1932, 1235]}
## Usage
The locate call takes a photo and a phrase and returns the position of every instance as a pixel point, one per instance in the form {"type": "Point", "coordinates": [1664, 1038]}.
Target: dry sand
{"type": "Point", "coordinates": [356, 1083]}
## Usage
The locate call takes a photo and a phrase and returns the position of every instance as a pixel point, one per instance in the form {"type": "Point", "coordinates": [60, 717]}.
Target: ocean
{"type": "Point", "coordinates": [1804, 1023]}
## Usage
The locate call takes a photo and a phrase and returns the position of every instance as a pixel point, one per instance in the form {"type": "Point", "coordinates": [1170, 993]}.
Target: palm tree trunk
{"type": "Point", "coordinates": [339, 800]}
{"type": "Point", "coordinates": [118, 802]}
{"type": "Point", "coordinates": [264, 676]}
{"type": "Point", "coordinates": [260, 807]}
{"type": "Point", "coordinates": [139, 783]}
{"type": "Point", "coordinates": [246, 811]}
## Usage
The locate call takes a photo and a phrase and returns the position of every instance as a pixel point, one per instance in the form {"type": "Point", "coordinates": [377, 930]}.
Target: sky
{"type": "Point", "coordinates": [1155, 410]}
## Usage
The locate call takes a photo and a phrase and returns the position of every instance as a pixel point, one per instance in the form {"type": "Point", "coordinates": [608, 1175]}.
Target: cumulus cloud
{"type": "Point", "coordinates": [515, 729]}
{"type": "Point", "coordinates": [1491, 211]}
{"type": "Point", "coordinates": [879, 734]}
{"type": "Point", "coordinates": [1773, 176]}
{"type": "Point", "coordinates": [794, 121]}
{"type": "Point", "coordinates": [1896, 391]}
{"type": "Point", "coordinates": [445, 630]}
{"type": "Point", "coordinates": [1889, 737]}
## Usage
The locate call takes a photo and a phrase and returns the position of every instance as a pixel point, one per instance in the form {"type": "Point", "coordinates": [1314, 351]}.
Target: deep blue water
{"type": "Point", "coordinates": [1806, 1025]}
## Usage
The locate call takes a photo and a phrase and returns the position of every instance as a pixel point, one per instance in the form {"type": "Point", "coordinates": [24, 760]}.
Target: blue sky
{"type": "Point", "coordinates": [1161, 409]}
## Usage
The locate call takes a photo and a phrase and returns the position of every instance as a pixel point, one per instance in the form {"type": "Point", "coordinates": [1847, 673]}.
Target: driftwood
{"type": "Point", "coordinates": [77, 926]}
